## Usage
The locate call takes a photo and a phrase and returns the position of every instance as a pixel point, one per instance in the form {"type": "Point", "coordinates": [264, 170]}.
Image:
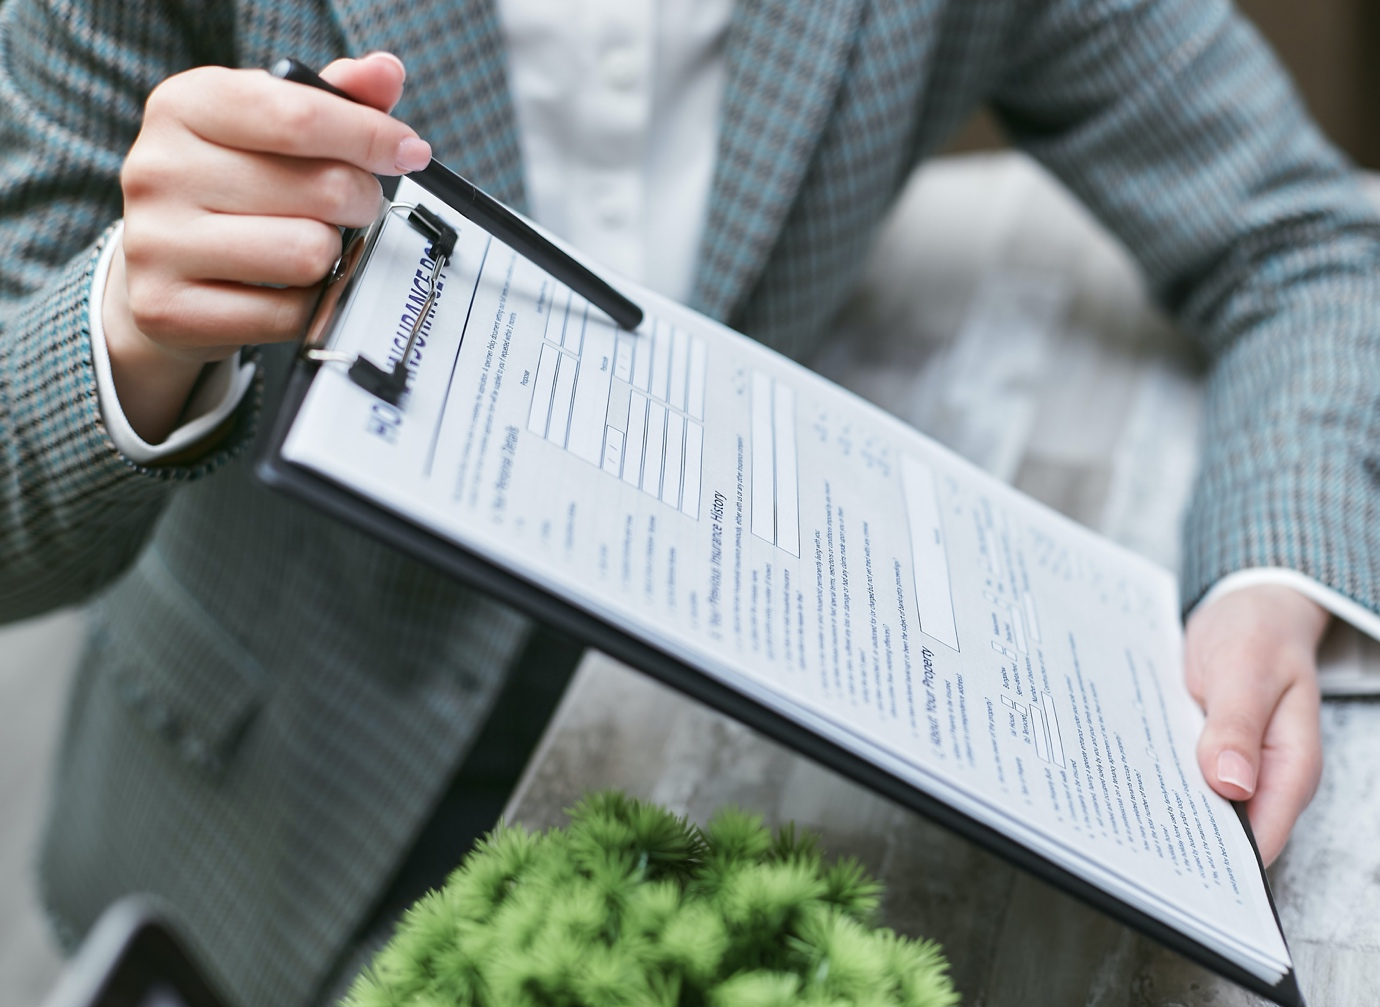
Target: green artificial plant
{"type": "Point", "coordinates": [631, 905]}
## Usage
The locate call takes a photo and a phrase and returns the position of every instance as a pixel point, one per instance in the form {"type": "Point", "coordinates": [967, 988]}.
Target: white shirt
{"type": "Point", "coordinates": [617, 106]}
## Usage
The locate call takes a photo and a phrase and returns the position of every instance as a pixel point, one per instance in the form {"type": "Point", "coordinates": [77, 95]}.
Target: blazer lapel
{"type": "Point", "coordinates": [785, 63]}
{"type": "Point", "coordinates": [457, 81]}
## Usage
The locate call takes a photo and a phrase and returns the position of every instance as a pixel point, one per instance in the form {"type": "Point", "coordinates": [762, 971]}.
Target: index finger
{"type": "Point", "coordinates": [254, 111]}
{"type": "Point", "coordinates": [1291, 766]}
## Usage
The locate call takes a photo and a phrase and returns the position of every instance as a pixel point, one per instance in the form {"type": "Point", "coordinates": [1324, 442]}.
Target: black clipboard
{"type": "Point", "coordinates": [568, 616]}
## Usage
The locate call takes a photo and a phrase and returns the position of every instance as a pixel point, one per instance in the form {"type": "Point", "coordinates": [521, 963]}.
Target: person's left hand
{"type": "Point", "coordinates": [1250, 659]}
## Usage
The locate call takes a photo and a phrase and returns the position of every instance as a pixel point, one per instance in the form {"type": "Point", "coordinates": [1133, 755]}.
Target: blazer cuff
{"type": "Point", "coordinates": [219, 392]}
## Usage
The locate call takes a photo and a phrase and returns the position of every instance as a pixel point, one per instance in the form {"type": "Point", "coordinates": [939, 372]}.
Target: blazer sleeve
{"type": "Point", "coordinates": [1174, 122]}
{"type": "Point", "coordinates": [73, 79]}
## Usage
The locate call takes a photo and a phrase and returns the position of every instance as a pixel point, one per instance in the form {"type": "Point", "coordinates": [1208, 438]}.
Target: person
{"type": "Point", "coordinates": [271, 705]}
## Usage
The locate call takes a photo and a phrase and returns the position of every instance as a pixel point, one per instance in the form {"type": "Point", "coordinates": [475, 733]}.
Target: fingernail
{"type": "Point", "coordinates": [414, 154]}
{"type": "Point", "coordinates": [389, 55]}
{"type": "Point", "coordinates": [1234, 769]}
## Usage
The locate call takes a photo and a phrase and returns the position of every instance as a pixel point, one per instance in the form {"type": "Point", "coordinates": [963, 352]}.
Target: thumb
{"type": "Point", "coordinates": [1239, 706]}
{"type": "Point", "coordinates": [375, 80]}
{"type": "Point", "coordinates": [1249, 660]}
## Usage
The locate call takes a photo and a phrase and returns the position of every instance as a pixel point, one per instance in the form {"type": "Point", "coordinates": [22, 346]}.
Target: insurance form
{"type": "Point", "coordinates": [708, 496]}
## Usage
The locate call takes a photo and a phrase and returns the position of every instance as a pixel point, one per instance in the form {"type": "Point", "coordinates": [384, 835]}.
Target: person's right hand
{"type": "Point", "coordinates": [239, 180]}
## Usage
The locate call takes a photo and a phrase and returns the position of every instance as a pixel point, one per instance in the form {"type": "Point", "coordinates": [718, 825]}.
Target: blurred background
{"type": "Point", "coordinates": [1332, 47]}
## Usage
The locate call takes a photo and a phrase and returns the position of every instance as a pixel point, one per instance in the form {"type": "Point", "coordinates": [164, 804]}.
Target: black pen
{"type": "Point", "coordinates": [476, 204]}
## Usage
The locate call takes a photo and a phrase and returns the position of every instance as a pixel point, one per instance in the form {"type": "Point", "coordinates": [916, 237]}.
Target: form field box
{"type": "Point", "coordinates": [661, 360]}
{"type": "Point", "coordinates": [775, 475]}
{"type": "Point", "coordinates": [787, 475]}
{"type": "Point", "coordinates": [590, 412]}
{"type": "Point", "coordinates": [680, 368]}
{"type": "Point", "coordinates": [573, 327]}
{"type": "Point", "coordinates": [654, 455]}
{"type": "Point", "coordinates": [929, 555]}
{"type": "Point", "coordinates": [699, 367]}
{"type": "Point", "coordinates": [562, 399]}
{"type": "Point", "coordinates": [694, 459]}
{"type": "Point", "coordinates": [763, 462]}
{"type": "Point", "coordinates": [539, 416]}
{"type": "Point", "coordinates": [613, 451]}
{"type": "Point", "coordinates": [641, 343]}
{"type": "Point", "coordinates": [1037, 729]}
{"type": "Point", "coordinates": [673, 471]}
{"type": "Point", "coordinates": [623, 365]}
{"type": "Point", "coordinates": [590, 396]}
{"type": "Point", "coordinates": [637, 439]}
{"type": "Point", "coordinates": [1056, 743]}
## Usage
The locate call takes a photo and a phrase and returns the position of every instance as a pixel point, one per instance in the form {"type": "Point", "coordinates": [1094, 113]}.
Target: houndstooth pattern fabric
{"type": "Point", "coordinates": [270, 702]}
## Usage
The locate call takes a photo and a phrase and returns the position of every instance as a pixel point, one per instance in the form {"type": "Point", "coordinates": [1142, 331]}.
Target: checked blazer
{"type": "Point", "coordinates": [270, 704]}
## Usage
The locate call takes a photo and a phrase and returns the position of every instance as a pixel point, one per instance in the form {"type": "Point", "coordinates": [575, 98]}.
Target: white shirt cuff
{"type": "Point", "coordinates": [1338, 604]}
{"type": "Point", "coordinates": [217, 394]}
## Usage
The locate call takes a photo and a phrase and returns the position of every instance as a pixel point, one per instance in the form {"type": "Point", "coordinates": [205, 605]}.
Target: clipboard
{"type": "Point", "coordinates": [582, 622]}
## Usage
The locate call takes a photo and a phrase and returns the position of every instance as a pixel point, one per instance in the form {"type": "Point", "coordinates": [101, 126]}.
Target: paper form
{"type": "Point", "coordinates": [702, 493]}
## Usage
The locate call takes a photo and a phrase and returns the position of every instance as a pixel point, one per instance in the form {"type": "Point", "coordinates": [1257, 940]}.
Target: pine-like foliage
{"type": "Point", "coordinates": [633, 906]}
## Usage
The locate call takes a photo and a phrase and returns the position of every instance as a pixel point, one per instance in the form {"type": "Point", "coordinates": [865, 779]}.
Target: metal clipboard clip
{"type": "Point", "coordinates": [388, 385]}
{"type": "Point", "coordinates": [469, 201]}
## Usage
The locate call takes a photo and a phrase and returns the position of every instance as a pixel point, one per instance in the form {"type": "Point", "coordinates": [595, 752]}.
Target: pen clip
{"type": "Point", "coordinates": [441, 234]}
